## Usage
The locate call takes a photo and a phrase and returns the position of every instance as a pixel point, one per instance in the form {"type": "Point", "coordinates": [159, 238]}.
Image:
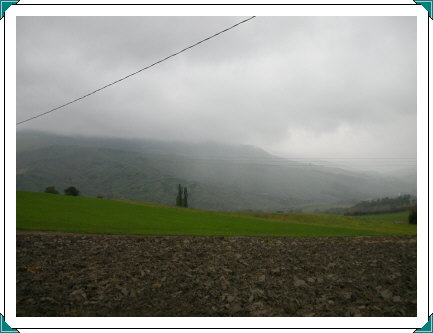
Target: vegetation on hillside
{"type": "Point", "coordinates": [218, 177]}
{"type": "Point", "coordinates": [380, 206]}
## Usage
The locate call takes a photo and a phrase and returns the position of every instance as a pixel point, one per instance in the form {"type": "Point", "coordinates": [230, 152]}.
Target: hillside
{"type": "Point", "coordinates": [219, 177]}
{"type": "Point", "coordinates": [124, 175]}
{"type": "Point", "coordinates": [41, 211]}
{"type": "Point", "coordinates": [382, 205]}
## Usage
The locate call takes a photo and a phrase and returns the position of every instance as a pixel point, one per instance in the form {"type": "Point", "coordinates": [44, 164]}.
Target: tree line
{"type": "Point", "coordinates": [384, 205]}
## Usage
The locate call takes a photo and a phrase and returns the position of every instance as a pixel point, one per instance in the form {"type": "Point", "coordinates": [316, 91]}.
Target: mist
{"type": "Point", "coordinates": [338, 91]}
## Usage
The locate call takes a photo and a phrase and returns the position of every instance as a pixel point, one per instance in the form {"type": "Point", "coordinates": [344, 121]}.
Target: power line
{"type": "Point", "coordinates": [281, 162]}
{"type": "Point", "coordinates": [139, 71]}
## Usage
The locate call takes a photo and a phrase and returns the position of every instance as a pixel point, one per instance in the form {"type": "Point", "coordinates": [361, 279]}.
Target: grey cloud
{"type": "Point", "coordinates": [256, 84]}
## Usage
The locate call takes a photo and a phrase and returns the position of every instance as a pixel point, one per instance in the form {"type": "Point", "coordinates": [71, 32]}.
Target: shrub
{"type": "Point", "coordinates": [51, 189]}
{"type": "Point", "coordinates": [412, 215]}
{"type": "Point", "coordinates": [71, 190]}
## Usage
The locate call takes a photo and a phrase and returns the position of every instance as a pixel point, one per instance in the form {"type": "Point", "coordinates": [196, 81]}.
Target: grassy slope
{"type": "Point", "coordinates": [311, 208]}
{"type": "Point", "coordinates": [392, 224]}
{"type": "Point", "coordinates": [40, 211]}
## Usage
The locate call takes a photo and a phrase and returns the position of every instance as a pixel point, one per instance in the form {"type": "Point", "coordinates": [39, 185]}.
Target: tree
{"type": "Point", "coordinates": [412, 215]}
{"type": "Point", "coordinates": [71, 190]}
{"type": "Point", "coordinates": [51, 189]}
{"type": "Point", "coordinates": [185, 197]}
{"type": "Point", "coordinates": [179, 201]}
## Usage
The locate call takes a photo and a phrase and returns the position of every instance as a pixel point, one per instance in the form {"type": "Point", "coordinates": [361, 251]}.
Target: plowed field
{"type": "Point", "coordinates": [61, 274]}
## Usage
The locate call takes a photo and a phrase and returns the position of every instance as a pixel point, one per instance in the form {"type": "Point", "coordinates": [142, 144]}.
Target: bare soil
{"type": "Point", "coordinates": [61, 274]}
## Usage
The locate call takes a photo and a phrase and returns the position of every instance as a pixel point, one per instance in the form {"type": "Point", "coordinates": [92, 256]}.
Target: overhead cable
{"type": "Point", "coordinates": [137, 72]}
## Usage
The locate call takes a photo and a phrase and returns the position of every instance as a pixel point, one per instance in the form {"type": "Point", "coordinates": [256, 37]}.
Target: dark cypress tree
{"type": "Point", "coordinates": [179, 197]}
{"type": "Point", "coordinates": [185, 197]}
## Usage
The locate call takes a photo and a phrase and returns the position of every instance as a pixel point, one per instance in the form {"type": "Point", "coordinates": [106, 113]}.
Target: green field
{"type": "Point", "coordinates": [312, 208]}
{"type": "Point", "coordinates": [49, 212]}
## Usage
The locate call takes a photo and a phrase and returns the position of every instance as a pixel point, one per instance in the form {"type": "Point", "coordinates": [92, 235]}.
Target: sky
{"type": "Point", "coordinates": [336, 88]}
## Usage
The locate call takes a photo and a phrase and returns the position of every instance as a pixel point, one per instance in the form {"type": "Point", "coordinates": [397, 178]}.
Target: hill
{"type": "Point", "coordinates": [219, 177]}
{"type": "Point", "coordinates": [41, 211]}
{"type": "Point", "coordinates": [382, 205]}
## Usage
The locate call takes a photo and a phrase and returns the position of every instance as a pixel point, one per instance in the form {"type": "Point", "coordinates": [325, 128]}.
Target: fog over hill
{"type": "Point", "coordinates": [218, 176]}
{"type": "Point", "coordinates": [311, 89]}
{"type": "Point", "coordinates": [276, 113]}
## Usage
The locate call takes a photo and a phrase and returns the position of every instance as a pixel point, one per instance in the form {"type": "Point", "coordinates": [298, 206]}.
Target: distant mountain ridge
{"type": "Point", "coordinates": [30, 140]}
{"type": "Point", "coordinates": [218, 176]}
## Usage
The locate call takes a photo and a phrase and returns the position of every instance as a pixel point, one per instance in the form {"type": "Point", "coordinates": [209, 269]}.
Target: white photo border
{"type": "Point", "coordinates": [215, 10]}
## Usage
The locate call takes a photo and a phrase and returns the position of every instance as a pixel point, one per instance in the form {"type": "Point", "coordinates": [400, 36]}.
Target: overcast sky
{"type": "Point", "coordinates": [297, 86]}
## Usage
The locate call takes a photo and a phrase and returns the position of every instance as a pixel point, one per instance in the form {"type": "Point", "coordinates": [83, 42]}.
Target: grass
{"type": "Point", "coordinates": [311, 208]}
{"type": "Point", "coordinates": [49, 212]}
{"type": "Point", "coordinates": [391, 224]}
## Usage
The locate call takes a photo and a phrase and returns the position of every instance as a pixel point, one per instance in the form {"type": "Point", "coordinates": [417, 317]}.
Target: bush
{"type": "Point", "coordinates": [412, 215]}
{"type": "Point", "coordinates": [51, 189]}
{"type": "Point", "coordinates": [72, 191]}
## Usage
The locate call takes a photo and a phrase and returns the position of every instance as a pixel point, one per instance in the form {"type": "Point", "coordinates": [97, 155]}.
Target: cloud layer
{"type": "Point", "coordinates": [319, 86]}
